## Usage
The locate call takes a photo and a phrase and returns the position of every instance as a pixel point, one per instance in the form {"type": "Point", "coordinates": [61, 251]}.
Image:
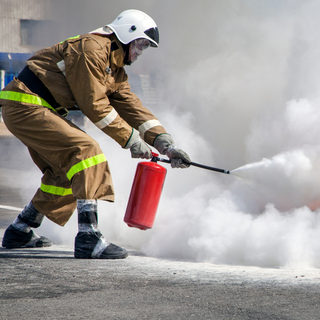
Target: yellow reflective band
{"type": "Point", "coordinates": [59, 191]}
{"type": "Point", "coordinates": [84, 164]}
{"type": "Point", "coordinates": [75, 37]}
{"type": "Point", "coordinates": [25, 98]}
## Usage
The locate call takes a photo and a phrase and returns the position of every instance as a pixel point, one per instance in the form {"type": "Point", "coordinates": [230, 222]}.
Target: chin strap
{"type": "Point", "coordinates": [125, 48]}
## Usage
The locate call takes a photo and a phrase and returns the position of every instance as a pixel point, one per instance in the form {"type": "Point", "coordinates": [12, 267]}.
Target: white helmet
{"type": "Point", "coordinates": [130, 25]}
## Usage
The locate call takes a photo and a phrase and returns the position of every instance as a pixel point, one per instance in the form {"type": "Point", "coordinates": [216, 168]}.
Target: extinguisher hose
{"type": "Point", "coordinates": [194, 164]}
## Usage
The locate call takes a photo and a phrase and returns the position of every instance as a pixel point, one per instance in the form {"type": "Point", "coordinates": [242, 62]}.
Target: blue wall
{"type": "Point", "coordinates": [12, 63]}
{"type": "Point", "coordinates": [9, 77]}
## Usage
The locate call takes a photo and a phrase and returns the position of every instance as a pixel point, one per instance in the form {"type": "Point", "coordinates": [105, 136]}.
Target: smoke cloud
{"type": "Point", "coordinates": [237, 85]}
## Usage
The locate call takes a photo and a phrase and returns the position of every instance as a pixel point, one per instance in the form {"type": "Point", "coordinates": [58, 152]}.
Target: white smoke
{"type": "Point", "coordinates": [239, 84]}
{"type": "Point", "coordinates": [265, 217]}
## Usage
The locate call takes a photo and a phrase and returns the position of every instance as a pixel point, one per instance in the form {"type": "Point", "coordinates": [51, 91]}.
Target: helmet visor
{"type": "Point", "coordinates": [142, 44]}
{"type": "Point", "coordinates": [153, 33]}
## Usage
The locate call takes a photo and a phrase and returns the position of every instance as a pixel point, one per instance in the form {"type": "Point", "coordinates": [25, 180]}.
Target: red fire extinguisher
{"type": "Point", "coordinates": [145, 194]}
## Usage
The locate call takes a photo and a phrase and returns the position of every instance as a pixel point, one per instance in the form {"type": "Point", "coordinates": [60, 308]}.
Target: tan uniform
{"type": "Point", "coordinates": [86, 70]}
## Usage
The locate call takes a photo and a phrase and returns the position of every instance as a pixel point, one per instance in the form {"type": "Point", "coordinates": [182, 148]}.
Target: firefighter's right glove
{"type": "Point", "coordinates": [138, 148]}
{"type": "Point", "coordinates": [165, 145]}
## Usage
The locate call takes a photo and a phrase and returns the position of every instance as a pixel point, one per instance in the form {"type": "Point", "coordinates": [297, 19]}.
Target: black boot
{"type": "Point", "coordinates": [92, 245]}
{"type": "Point", "coordinates": [89, 242]}
{"type": "Point", "coordinates": [14, 238]}
{"type": "Point", "coordinates": [19, 233]}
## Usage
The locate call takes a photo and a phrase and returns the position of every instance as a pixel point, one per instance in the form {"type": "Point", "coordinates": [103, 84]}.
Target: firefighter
{"type": "Point", "coordinates": [85, 72]}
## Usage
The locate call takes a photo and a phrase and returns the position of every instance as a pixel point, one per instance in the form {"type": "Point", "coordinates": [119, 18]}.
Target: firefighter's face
{"type": "Point", "coordinates": [136, 48]}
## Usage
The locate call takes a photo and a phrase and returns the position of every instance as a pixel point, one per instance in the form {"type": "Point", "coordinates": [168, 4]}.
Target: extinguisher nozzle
{"type": "Point", "coordinates": [155, 158]}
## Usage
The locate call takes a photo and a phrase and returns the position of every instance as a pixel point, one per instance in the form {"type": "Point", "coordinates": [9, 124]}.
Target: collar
{"type": "Point", "coordinates": [117, 53]}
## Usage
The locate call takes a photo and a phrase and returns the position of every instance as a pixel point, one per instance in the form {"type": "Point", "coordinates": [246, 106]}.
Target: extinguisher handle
{"type": "Point", "coordinates": [155, 158]}
{"type": "Point", "coordinates": [163, 160]}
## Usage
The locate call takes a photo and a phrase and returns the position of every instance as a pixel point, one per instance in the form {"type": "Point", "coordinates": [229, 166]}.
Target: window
{"type": "Point", "coordinates": [34, 32]}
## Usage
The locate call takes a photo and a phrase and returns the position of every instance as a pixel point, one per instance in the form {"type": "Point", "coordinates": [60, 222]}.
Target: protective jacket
{"type": "Point", "coordinates": [86, 71]}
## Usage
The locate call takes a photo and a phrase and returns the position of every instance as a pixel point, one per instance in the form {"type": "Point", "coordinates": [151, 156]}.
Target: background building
{"type": "Point", "coordinates": [25, 27]}
{"type": "Point", "coordinates": [29, 25]}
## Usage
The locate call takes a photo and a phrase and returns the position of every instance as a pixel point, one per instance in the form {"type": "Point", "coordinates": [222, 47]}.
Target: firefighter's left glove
{"type": "Point", "coordinates": [138, 148]}
{"type": "Point", "coordinates": [165, 145]}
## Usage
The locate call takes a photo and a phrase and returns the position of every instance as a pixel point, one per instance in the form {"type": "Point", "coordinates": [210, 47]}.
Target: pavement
{"type": "Point", "coordinates": [48, 283]}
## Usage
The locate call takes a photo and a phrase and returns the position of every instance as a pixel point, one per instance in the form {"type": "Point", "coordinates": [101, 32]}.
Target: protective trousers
{"type": "Point", "coordinates": [72, 162]}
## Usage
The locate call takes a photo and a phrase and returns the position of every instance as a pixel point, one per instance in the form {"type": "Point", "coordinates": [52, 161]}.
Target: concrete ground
{"type": "Point", "coordinates": [48, 283]}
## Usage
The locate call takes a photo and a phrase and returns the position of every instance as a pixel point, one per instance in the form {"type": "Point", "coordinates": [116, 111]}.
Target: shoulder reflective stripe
{"type": "Point", "coordinates": [147, 126]}
{"type": "Point", "coordinates": [25, 98]}
{"type": "Point", "coordinates": [59, 191]}
{"type": "Point", "coordinates": [107, 119]}
{"type": "Point", "coordinates": [62, 66]}
{"type": "Point", "coordinates": [75, 37]}
{"type": "Point", "coordinates": [84, 164]}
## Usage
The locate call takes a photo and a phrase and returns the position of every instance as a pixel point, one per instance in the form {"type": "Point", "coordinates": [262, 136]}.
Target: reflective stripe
{"type": "Point", "coordinates": [147, 126]}
{"type": "Point", "coordinates": [59, 191]}
{"type": "Point", "coordinates": [107, 120]}
{"type": "Point", "coordinates": [25, 98]}
{"type": "Point", "coordinates": [101, 245]}
{"type": "Point", "coordinates": [84, 164]}
{"type": "Point", "coordinates": [20, 225]}
{"type": "Point", "coordinates": [75, 37]}
{"type": "Point", "coordinates": [62, 66]}
{"type": "Point", "coordinates": [87, 227]}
